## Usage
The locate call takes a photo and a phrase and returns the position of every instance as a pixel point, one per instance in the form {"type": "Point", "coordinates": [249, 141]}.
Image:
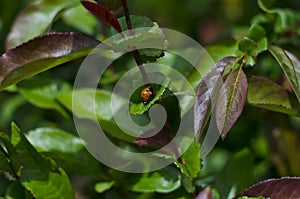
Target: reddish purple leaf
{"type": "Point", "coordinates": [103, 14]}
{"type": "Point", "coordinates": [231, 101]}
{"type": "Point", "coordinates": [205, 194]}
{"type": "Point", "coordinates": [286, 187]}
{"type": "Point", "coordinates": [42, 53]}
{"type": "Point", "coordinates": [158, 141]}
{"type": "Point", "coordinates": [206, 95]}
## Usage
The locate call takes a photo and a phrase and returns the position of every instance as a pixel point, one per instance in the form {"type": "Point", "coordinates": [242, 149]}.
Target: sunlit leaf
{"type": "Point", "coordinates": [82, 107]}
{"type": "Point", "coordinates": [101, 187]}
{"type": "Point", "coordinates": [286, 187]}
{"type": "Point", "coordinates": [35, 20]}
{"type": "Point", "coordinates": [264, 93]}
{"type": "Point", "coordinates": [190, 165]}
{"type": "Point", "coordinates": [102, 13]}
{"type": "Point", "coordinates": [206, 95]}
{"type": "Point", "coordinates": [290, 65]}
{"type": "Point", "coordinates": [42, 53]}
{"type": "Point", "coordinates": [231, 101]}
{"type": "Point", "coordinates": [43, 93]}
{"type": "Point", "coordinates": [79, 18]}
{"type": "Point", "coordinates": [162, 181]}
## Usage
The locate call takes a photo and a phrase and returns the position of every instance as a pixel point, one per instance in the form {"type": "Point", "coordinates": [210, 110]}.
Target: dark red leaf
{"type": "Point", "coordinates": [286, 187]}
{"type": "Point", "coordinates": [102, 13]}
{"type": "Point", "coordinates": [206, 95]}
{"type": "Point", "coordinates": [42, 53]}
{"type": "Point", "coordinates": [158, 141]}
{"type": "Point", "coordinates": [231, 101]}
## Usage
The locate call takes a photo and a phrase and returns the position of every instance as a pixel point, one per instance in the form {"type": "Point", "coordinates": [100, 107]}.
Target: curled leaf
{"type": "Point", "coordinates": [102, 13]}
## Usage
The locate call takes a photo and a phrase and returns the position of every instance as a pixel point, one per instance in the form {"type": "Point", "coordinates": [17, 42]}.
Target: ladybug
{"type": "Point", "coordinates": [147, 94]}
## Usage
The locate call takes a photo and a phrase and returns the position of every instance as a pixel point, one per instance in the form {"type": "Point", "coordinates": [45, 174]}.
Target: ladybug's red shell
{"type": "Point", "coordinates": [146, 94]}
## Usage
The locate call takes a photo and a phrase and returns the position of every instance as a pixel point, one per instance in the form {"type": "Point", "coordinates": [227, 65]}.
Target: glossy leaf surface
{"type": "Point", "coordinates": [82, 107]}
{"type": "Point", "coordinates": [162, 181]}
{"type": "Point", "coordinates": [42, 53]}
{"type": "Point", "coordinates": [65, 148]}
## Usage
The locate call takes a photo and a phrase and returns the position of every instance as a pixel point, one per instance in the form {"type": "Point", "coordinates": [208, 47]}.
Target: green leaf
{"type": "Point", "coordinates": [66, 149]}
{"type": "Point", "coordinates": [286, 19]}
{"type": "Point", "coordinates": [141, 107]}
{"type": "Point", "coordinates": [35, 20]}
{"type": "Point", "coordinates": [38, 175]}
{"type": "Point", "coordinates": [236, 175]}
{"type": "Point", "coordinates": [8, 108]}
{"type": "Point", "coordinates": [247, 46]}
{"type": "Point", "coordinates": [16, 191]}
{"type": "Point", "coordinates": [4, 163]}
{"type": "Point", "coordinates": [52, 139]}
{"type": "Point", "coordinates": [82, 107]}
{"type": "Point", "coordinates": [256, 32]}
{"type": "Point", "coordinates": [101, 187]}
{"type": "Point", "coordinates": [43, 92]}
{"type": "Point", "coordinates": [162, 181]}
{"type": "Point", "coordinates": [191, 160]}
{"type": "Point", "coordinates": [138, 38]}
{"type": "Point", "coordinates": [290, 65]}
{"type": "Point", "coordinates": [42, 53]}
{"type": "Point", "coordinates": [263, 93]}
{"type": "Point", "coordinates": [265, 5]}
{"type": "Point", "coordinates": [14, 158]}
{"type": "Point", "coordinates": [231, 101]}
{"type": "Point", "coordinates": [78, 18]}
{"type": "Point", "coordinates": [57, 185]}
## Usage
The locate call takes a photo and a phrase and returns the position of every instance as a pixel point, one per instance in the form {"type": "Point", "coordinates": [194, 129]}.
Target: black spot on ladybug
{"type": "Point", "coordinates": [147, 94]}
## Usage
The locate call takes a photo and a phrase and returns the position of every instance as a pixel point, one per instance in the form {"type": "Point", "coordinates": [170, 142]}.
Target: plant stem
{"type": "Point", "coordinates": [135, 53]}
{"type": "Point", "coordinates": [136, 56]}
